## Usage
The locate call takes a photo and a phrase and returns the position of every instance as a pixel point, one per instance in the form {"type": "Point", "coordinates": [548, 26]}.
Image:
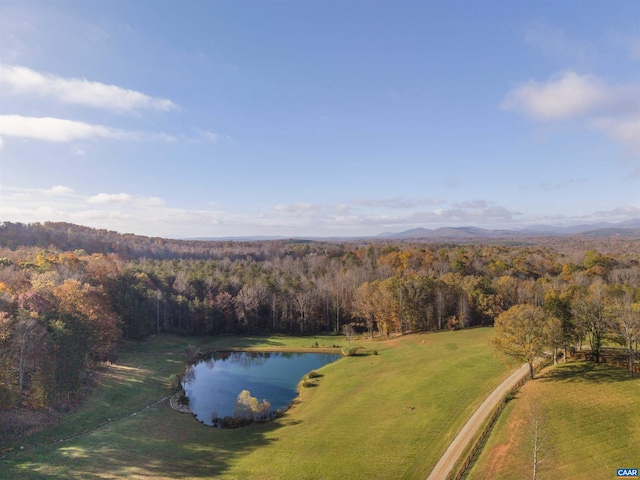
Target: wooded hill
{"type": "Point", "coordinates": [69, 294]}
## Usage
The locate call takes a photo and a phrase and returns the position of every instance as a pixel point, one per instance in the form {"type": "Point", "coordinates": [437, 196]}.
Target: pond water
{"type": "Point", "coordinates": [214, 383]}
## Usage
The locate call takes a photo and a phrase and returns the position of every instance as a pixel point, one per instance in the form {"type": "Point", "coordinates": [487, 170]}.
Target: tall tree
{"type": "Point", "coordinates": [520, 333]}
{"type": "Point", "coordinates": [26, 332]}
{"type": "Point", "coordinates": [624, 321]}
{"type": "Point", "coordinates": [364, 306]}
{"type": "Point", "coordinates": [559, 306]}
{"type": "Point", "coordinates": [590, 313]}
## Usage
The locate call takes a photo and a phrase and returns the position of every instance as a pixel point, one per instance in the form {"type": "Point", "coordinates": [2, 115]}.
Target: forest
{"type": "Point", "coordinates": [69, 294]}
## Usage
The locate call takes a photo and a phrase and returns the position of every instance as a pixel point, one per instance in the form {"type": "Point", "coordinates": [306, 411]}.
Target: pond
{"type": "Point", "coordinates": [214, 384]}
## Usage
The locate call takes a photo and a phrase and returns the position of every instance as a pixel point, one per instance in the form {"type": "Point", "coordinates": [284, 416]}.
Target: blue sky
{"type": "Point", "coordinates": [219, 118]}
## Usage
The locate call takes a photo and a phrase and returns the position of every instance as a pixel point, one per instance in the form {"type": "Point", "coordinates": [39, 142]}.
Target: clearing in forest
{"type": "Point", "coordinates": [385, 415]}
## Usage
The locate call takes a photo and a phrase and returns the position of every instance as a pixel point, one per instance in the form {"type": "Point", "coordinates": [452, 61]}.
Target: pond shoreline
{"type": "Point", "coordinates": [336, 350]}
{"type": "Point", "coordinates": [274, 374]}
{"type": "Point", "coordinates": [173, 402]}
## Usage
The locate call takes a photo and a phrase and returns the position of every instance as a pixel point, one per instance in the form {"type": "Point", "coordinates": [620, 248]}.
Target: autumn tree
{"type": "Point", "coordinates": [589, 308]}
{"type": "Point", "coordinates": [386, 306]}
{"type": "Point", "coordinates": [555, 335]}
{"type": "Point", "coordinates": [624, 322]}
{"type": "Point", "coordinates": [90, 303]}
{"type": "Point", "coordinates": [26, 331]}
{"type": "Point", "coordinates": [520, 332]}
{"type": "Point", "coordinates": [248, 408]}
{"type": "Point", "coordinates": [364, 306]}
{"type": "Point", "coordinates": [562, 334]}
{"type": "Point", "coordinates": [6, 359]}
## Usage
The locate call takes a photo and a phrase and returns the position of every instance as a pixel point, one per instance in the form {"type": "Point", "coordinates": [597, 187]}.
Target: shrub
{"type": "Point", "coordinates": [192, 352]}
{"type": "Point", "coordinates": [313, 374]}
{"type": "Point", "coordinates": [183, 400]}
{"type": "Point", "coordinates": [349, 351]}
{"type": "Point", "coordinates": [230, 422]}
{"type": "Point", "coordinates": [308, 384]}
{"type": "Point", "coordinates": [510, 396]}
{"type": "Point", "coordinates": [453, 323]}
{"type": "Point", "coordinates": [174, 381]}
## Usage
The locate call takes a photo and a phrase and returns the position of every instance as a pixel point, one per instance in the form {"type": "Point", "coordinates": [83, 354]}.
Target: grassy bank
{"type": "Point", "coordinates": [590, 422]}
{"type": "Point", "coordinates": [371, 416]}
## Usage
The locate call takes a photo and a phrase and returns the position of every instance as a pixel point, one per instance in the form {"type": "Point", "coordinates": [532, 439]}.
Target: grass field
{"type": "Point", "coordinates": [371, 416]}
{"type": "Point", "coordinates": [590, 426]}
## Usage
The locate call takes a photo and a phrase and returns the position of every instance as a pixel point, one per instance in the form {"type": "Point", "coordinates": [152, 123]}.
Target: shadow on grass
{"type": "Point", "coordinates": [162, 445]}
{"type": "Point", "coordinates": [158, 443]}
{"type": "Point", "coordinates": [586, 372]}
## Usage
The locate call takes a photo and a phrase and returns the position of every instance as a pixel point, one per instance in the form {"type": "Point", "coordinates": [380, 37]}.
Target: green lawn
{"type": "Point", "coordinates": [590, 417]}
{"type": "Point", "coordinates": [371, 416]}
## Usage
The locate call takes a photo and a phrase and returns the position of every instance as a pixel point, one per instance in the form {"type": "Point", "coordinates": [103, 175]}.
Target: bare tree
{"type": "Point", "coordinates": [537, 439]}
{"type": "Point", "coordinates": [348, 331]}
{"type": "Point", "coordinates": [304, 297]}
{"type": "Point", "coordinates": [364, 307]}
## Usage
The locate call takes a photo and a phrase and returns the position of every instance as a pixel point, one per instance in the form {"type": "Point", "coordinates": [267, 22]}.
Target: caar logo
{"type": "Point", "coordinates": [627, 472]}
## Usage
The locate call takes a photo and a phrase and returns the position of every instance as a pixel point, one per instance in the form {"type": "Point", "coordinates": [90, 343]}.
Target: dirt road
{"type": "Point", "coordinates": [448, 460]}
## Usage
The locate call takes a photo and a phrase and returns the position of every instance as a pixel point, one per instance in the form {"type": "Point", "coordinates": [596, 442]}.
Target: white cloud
{"type": "Point", "coordinates": [150, 201]}
{"type": "Point", "coordinates": [122, 211]}
{"type": "Point", "coordinates": [568, 96]}
{"type": "Point", "coordinates": [19, 80]}
{"type": "Point", "coordinates": [474, 204]}
{"type": "Point", "coordinates": [613, 215]}
{"type": "Point", "coordinates": [628, 212]}
{"type": "Point", "coordinates": [127, 212]}
{"type": "Point", "coordinates": [396, 203]}
{"type": "Point", "coordinates": [110, 198]}
{"type": "Point", "coordinates": [59, 130]}
{"type": "Point", "coordinates": [353, 215]}
{"type": "Point", "coordinates": [565, 95]}
{"type": "Point", "coordinates": [59, 190]}
{"type": "Point", "coordinates": [125, 199]}
{"type": "Point", "coordinates": [208, 136]}
{"type": "Point", "coordinates": [625, 131]}
{"type": "Point", "coordinates": [300, 209]}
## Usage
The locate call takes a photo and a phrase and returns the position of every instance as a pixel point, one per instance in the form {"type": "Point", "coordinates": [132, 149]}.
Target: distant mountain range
{"type": "Point", "coordinates": [630, 228]}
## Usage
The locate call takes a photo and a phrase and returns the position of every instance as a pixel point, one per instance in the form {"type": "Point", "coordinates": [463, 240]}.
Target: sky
{"type": "Point", "coordinates": [188, 119]}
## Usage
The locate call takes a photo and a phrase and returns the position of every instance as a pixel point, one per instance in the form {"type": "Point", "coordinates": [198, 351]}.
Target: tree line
{"type": "Point", "coordinates": [62, 312]}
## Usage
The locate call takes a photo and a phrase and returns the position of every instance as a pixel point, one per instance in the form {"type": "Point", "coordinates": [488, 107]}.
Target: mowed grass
{"type": "Point", "coordinates": [381, 416]}
{"type": "Point", "coordinates": [590, 426]}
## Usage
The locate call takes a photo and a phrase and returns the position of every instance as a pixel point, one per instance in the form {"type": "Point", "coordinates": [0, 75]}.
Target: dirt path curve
{"type": "Point", "coordinates": [448, 460]}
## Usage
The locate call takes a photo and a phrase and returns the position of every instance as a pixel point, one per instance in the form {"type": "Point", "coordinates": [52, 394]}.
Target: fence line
{"type": "Point", "coordinates": [470, 456]}
{"type": "Point", "coordinates": [477, 444]}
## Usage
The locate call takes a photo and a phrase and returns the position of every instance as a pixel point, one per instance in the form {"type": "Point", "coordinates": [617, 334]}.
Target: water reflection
{"type": "Point", "coordinates": [214, 383]}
